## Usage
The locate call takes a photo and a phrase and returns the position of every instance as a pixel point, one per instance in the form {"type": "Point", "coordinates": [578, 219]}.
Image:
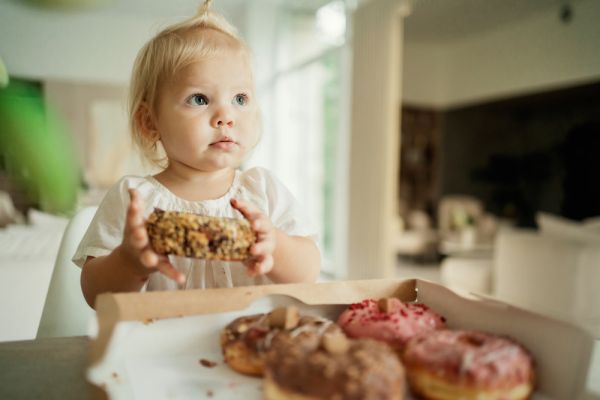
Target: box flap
{"type": "Point", "coordinates": [146, 306]}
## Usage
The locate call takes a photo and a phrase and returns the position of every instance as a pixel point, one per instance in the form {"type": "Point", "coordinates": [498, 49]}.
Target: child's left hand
{"type": "Point", "coordinates": [261, 260]}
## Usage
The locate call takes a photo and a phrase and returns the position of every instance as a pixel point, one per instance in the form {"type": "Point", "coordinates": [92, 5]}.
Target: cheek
{"type": "Point", "coordinates": [251, 128]}
{"type": "Point", "coordinates": [181, 132]}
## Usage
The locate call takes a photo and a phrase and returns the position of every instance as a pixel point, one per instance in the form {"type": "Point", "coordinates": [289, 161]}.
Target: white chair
{"type": "Point", "coordinates": [468, 273]}
{"type": "Point", "coordinates": [549, 274]}
{"type": "Point", "coordinates": [66, 312]}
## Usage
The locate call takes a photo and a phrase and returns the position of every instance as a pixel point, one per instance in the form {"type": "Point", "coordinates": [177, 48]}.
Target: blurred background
{"type": "Point", "coordinates": [411, 131]}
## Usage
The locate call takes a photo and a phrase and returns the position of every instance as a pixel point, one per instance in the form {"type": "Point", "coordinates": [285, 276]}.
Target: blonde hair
{"type": "Point", "coordinates": [166, 53]}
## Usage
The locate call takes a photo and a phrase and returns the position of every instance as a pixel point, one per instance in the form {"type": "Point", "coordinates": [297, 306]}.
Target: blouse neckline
{"type": "Point", "coordinates": [190, 204]}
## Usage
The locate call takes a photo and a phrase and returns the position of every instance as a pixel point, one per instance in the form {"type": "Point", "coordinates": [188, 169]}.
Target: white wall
{"type": "Point", "coordinates": [424, 73]}
{"type": "Point", "coordinates": [92, 46]}
{"type": "Point", "coordinates": [75, 46]}
{"type": "Point", "coordinates": [531, 55]}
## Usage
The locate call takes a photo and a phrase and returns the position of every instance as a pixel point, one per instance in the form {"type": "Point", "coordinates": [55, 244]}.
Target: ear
{"type": "Point", "coordinates": [145, 122]}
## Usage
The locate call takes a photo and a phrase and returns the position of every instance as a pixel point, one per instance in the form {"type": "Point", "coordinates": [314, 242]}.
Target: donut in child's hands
{"type": "Point", "coordinates": [332, 367]}
{"type": "Point", "coordinates": [468, 365]}
{"type": "Point", "coordinates": [199, 236]}
{"type": "Point", "coordinates": [389, 320]}
{"type": "Point", "coordinates": [245, 341]}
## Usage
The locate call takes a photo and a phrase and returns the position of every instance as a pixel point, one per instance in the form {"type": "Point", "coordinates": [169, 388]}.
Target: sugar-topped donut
{"type": "Point", "coordinates": [467, 365]}
{"type": "Point", "coordinates": [389, 320]}
{"type": "Point", "coordinates": [332, 367]}
{"type": "Point", "coordinates": [245, 341]}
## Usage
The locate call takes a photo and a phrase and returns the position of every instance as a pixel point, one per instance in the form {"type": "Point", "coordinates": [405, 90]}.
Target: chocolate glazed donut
{"type": "Point", "coordinates": [332, 368]}
{"type": "Point", "coordinates": [245, 341]}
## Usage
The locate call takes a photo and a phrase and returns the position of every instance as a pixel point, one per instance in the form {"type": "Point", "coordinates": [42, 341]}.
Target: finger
{"type": "Point", "coordinates": [134, 211]}
{"type": "Point", "coordinates": [249, 211]}
{"type": "Point", "coordinates": [261, 224]}
{"type": "Point", "coordinates": [265, 266]}
{"type": "Point", "coordinates": [149, 258]}
{"type": "Point", "coordinates": [129, 220]}
{"type": "Point", "coordinates": [251, 265]}
{"type": "Point", "coordinates": [262, 248]}
{"type": "Point", "coordinates": [138, 238]}
{"type": "Point", "coordinates": [260, 265]}
{"type": "Point", "coordinates": [133, 197]}
{"type": "Point", "coordinates": [169, 271]}
{"type": "Point", "coordinates": [162, 258]}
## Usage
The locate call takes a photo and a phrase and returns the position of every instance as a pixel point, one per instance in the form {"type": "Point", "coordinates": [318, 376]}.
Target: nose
{"type": "Point", "coordinates": [222, 118]}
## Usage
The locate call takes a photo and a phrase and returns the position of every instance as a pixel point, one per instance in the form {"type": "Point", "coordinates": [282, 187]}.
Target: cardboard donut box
{"type": "Point", "coordinates": [159, 345]}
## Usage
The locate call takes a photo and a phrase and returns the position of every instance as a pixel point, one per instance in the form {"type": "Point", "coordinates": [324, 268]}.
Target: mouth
{"type": "Point", "coordinates": [224, 139]}
{"type": "Point", "coordinates": [224, 143]}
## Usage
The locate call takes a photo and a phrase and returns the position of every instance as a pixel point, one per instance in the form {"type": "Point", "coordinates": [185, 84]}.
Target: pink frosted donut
{"type": "Point", "coordinates": [389, 320]}
{"type": "Point", "coordinates": [451, 364]}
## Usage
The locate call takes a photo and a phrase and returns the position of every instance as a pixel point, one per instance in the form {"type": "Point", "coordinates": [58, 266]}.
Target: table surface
{"type": "Point", "coordinates": [54, 368]}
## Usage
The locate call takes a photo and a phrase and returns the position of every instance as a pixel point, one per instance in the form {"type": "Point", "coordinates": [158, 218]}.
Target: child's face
{"type": "Point", "coordinates": [207, 115]}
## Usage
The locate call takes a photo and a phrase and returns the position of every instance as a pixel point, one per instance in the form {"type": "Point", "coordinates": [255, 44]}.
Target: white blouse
{"type": "Point", "coordinates": [257, 186]}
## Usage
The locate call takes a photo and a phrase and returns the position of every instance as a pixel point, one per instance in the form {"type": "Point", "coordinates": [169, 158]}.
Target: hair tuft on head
{"type": "Point", "coordinates": [205, 8]}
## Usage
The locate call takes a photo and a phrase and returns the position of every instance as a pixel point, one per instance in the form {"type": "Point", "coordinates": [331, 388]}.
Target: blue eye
{"type": "Point", "coordinates": [198, 100]}
{"type": "Point", "coordinates": [241, 99]}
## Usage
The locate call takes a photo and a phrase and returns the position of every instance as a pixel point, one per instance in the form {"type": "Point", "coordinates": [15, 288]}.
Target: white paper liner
{"type": "Point", "coordinates": [161, 359]}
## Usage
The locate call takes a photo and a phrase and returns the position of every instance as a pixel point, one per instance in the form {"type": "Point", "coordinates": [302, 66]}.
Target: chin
{"type": "Point", "coordinates": [222, 163]}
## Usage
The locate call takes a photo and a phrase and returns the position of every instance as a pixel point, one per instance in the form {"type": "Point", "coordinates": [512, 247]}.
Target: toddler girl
{"type": "Point", "coordinates": [192, 92]}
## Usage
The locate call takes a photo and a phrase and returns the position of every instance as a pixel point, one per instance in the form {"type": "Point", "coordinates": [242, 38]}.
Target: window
{"type": "Point", "coordinates": [303, 98]}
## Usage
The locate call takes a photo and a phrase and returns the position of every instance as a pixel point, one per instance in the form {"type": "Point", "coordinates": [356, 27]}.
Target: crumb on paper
{"type": "Point", "coordinates": [149, 321]}
{"type": "Point", "coordinates": [207, 363]}
{"type": "Point", "coordinates": [116, 377]}
{"type": "Point", "coordinates": [209, 393]}
{"type": "Point", "coordinates": [232, 385]}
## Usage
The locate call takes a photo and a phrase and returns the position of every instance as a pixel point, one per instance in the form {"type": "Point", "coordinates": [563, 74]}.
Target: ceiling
{"type": "Point", "coordinates": [440, 20]}
{"type": "Point", "coordinates": [177, 8]}
{"type": "Point", "coordinates": [431, 20]}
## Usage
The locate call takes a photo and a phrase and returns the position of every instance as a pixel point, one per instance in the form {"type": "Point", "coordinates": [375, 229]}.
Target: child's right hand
{"type": "Point", "coordinates": [136, 245]}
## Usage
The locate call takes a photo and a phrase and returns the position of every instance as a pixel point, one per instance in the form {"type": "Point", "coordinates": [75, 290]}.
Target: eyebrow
{"type": "Point", "coordinates": [202, 86]}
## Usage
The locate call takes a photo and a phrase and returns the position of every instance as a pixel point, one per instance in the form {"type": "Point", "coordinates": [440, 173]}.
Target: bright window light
{"type": "Point", "coordinates": [331, 22]}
